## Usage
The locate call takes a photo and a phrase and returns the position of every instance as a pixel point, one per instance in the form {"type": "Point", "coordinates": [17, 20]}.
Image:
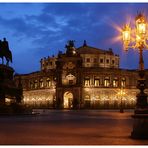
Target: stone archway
{"type": "Point", "coordinates": [68, 100]}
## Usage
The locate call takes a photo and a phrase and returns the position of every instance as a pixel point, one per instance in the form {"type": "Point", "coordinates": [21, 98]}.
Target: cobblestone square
{"type": "Point", "coordinates": [69, 127]}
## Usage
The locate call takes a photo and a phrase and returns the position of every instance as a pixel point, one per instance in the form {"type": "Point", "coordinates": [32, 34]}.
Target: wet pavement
{"type": "Point", "coordinates": [77, 127]}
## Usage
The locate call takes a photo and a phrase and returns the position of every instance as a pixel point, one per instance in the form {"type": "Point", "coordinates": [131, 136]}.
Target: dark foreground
{"type": "Point", "coordinates": [83, 127]}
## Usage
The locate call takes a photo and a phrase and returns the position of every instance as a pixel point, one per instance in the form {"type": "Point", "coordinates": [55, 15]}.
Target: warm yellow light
{"type": "Point", "coordinates": [121, 92]}
{"type": "Point", "coordinates": [138, 38]}
{"type": "Point", "coordinates": [93, 98]}
{"type": "Point", "coordinates": [126, 34]}
{"type": "Point", "coordinates": [141, 24]}
{"type": "Point", "coordinates": [142, 28]}
{"type": "Point", "coordinates": [7, 100]}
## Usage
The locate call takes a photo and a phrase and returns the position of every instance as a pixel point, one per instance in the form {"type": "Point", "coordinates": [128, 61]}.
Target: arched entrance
{"type": "Point", "coordinates": [68, 100]}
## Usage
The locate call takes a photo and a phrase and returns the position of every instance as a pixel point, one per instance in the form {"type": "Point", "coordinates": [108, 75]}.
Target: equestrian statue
{"type": "Point", "coordinates": [5, 52]}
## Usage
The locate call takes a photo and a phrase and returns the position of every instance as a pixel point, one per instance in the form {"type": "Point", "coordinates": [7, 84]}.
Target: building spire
{"type": "Point", "coordinates": [84, 44]}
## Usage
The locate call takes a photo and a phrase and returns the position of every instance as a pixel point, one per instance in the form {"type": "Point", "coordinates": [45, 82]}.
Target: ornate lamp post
{"type": "Point", "coordinates": [139, 41]}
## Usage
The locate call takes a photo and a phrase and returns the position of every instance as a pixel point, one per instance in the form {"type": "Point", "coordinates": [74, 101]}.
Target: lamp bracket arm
{"type": "Point", "coordinates": [145, 44]}
{"type": "Point", "coordinates": [132, 46]}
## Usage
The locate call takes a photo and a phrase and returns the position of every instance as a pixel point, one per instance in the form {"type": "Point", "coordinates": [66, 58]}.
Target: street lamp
{"type": "Point", "coordinates": [121, 93]}
{"type": "Point", "coordinates": [138, 41]}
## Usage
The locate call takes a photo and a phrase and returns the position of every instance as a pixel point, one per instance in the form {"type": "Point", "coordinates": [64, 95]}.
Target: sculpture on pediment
{"type": "Point", "coordinates": [70, 48]}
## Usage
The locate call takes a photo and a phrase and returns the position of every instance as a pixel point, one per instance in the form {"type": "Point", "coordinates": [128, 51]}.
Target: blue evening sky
{"type": "Point", "coordinates": [36, 30]}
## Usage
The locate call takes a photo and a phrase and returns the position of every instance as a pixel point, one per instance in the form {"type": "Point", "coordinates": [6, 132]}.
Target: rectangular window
{"type": "Point", "coordinates": [113, 61]}
{"type": "Point", "coordinates": [107, 61]}
{"type": "Point", "coordinates": [101, 60]}
{"type": "Point", "coordinates": [88, 60]}
{"type": "Point", "coordinates": [95, 60]}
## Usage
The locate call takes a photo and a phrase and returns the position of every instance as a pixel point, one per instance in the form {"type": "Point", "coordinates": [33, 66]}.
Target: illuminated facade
{"type": "Point", "coordinates": [84, 77]}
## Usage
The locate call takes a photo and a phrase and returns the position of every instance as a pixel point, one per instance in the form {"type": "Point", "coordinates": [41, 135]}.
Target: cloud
{"type": "Point", "coordinates": [41, 29]}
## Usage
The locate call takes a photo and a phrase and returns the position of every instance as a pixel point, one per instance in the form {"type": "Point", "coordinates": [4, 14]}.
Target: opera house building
{"type": "Point", "coordinates": [80, 78]}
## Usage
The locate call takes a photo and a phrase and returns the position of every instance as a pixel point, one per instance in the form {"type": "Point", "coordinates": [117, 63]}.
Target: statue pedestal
{"type": "Point", "coordinates": [9, 92]}
{"type": "Point", "coordinates": [140, 126]}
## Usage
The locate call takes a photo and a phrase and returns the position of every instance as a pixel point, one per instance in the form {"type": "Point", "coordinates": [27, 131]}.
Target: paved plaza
{"type": "Point", "coordinates": [74, 127]}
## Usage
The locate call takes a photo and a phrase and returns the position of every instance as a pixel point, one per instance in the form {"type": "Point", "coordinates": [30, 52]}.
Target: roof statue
{"type": "Point", "coordinates": [70, 48]}
{"type": "Point", "coordinates": [5, 51]}
{"type": "Point", "coordinates": [70, 44]}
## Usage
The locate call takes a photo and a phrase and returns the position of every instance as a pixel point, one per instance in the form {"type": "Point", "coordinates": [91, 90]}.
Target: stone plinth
{"type": "Point", "coordinates": [8, 90]}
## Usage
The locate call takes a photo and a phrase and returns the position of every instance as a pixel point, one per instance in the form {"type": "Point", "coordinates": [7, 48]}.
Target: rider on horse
{"type": "Point", "coordinates": [5, 52]}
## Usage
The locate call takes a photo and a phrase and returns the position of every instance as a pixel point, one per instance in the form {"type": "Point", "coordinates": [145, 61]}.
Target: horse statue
{"type": "Point", "coordinates": [5, 52]}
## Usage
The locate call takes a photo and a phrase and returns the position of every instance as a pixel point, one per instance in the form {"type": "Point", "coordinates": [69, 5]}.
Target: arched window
{"type": "Point", "coordinates": [106, 82]}
{"type": "Point", "coordinates": [41, 83]}
{"type": "Point", "coordinates": [35, 84]}
{"type": "Point", "coordinates": [71, 79]}
{"type": "Point", "coordinates": [123, 82]}
{"type": "Point", "coordinates": [115, 82]}
{"type": "Point", "coordinates": [48, 82]}
{"type": "Point", "coordinates": [97, 81]}
{"type": "Point", "coordinates": [87, 81]}
{"type": "Point", "coordinates": [31, 85]}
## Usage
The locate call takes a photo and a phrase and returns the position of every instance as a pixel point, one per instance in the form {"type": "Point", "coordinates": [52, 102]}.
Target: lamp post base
{"type": "Point", "coordinates": [140, 127]}
{"type": "Point", "coordinates": [121, 110]}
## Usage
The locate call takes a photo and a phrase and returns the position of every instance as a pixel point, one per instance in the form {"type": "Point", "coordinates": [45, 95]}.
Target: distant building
{"type": "Point", "coordinates": [84, 77]}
